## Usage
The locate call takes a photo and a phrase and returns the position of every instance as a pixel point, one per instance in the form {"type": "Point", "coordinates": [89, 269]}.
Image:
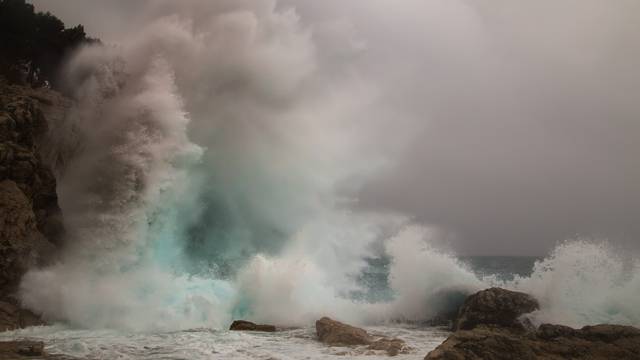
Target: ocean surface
{"type": "Point", "coordinates": [298, 343]}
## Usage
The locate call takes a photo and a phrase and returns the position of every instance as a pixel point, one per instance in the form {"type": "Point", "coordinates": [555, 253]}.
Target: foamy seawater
{"type": "Point", "coordinates": [199, 344]}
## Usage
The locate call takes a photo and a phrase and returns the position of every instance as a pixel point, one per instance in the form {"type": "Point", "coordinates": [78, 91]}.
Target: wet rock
{"type": "Point", "coordinates": [31, 348]}
{"type": "Point", "coordinates": [21, 349]}
{"type": "Point", "coordinates": [335, 333]}
{"type": "Point", "coordinates": [497, 307]}
{"type": "Point", "coordinates": [599, 342]}
{"type": "Point", "coordinates": [242, 325]}
{"type": "Point", "coordinates": [489, 328]}
{"type": "Point", "coordinates": [392, 347]}
{"type": "Point", "coordinates": [13, 317]}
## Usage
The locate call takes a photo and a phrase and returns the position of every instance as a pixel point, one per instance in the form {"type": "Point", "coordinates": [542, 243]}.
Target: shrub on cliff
{"type": "Point", "coordinates": [34, 44]}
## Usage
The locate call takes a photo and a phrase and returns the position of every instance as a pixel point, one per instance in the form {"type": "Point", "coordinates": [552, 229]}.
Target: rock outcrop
{"type": "Point", "coordinates": [335, 333]}
{"type": "Point", "coordinates": [23, 128]}
{"type": "Point", "coordinates": [12, 316]}
{"type": "Point", "coordinates": [20, 350]}
{"type": "Point", "coordinates": [30, 218]}
{"type": "Point", "coordinates": [490, 327]}
{"type": "Point", "coordinates": [599, 342]}
{"type": "Point", "coordinates": [495, 306]}
{"type": "Point", "coordinates": [242, 325]}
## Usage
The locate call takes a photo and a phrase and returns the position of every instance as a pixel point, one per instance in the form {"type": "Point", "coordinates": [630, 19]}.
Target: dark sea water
{"type": "Point", "coordinates": [502, 267]}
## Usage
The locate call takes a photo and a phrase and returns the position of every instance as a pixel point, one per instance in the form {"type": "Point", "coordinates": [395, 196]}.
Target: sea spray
{"type": "Point", "coordinates": [168, 233]}
{"type": "Point", "coordinates": [585, 282]}
{"type": "Point", "coordinates": [427, 282]}
{"type": "Point", "coordinates": [200, 173]}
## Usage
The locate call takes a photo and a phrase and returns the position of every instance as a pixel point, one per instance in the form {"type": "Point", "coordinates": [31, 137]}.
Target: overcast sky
{"type": "Point", "coordinates": [520, 121]}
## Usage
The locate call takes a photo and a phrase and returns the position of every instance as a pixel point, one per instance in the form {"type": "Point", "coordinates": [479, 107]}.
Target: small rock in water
{"type": "Point", "coordinates": [31, 348]}
{"type": "Point", "coordinates": [242, 325]}
{"type": "Point", "coordinates": [393, 346]}
{"type": "Point", "coordinates": [21, 349]}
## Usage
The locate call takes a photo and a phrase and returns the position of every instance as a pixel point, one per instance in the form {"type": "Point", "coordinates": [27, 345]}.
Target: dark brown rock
{"type": "Point", "coordinates": [599, 342]}
{"type": "Point", "coordinates": [392, 347]}
{"type": "Point", "coordinates": [30, 218]}
{"type": "Point", "coordinates": [21, 244]}
{"type": "Point", "coordinates": [495, 306]}
{"type": "Point", "coordinates": [335, 333]}
{"type": "Point", "coordinates": [21, 349]}
{"type": "Point", "coordinates": [489, 328]}
{"type": "Point", "coordinates": [31, 348]}
{"type": "Point", "coordinates": [23, 133]}
{"type": "Point", "coordinates": [242, 325]}
{"type": "Point", "coordinates": [550, 332]}
{"type": "Point", "coordinates": [12, 316]}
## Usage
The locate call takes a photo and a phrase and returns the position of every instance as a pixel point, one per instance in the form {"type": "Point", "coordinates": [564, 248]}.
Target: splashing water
{"type": "Point", "coordinates": [204, 167]}
{"type": "Point", "coordinates": [584, 283]}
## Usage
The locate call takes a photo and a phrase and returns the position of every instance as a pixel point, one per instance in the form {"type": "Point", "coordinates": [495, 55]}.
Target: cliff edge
{"type": "Point", "coordinates": [31, 225]}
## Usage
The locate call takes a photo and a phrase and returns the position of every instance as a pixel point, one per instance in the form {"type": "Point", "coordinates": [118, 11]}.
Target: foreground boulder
{"type": "Point", "coordinates": [497, 307]}
{"type": "Point", "coordinates": [598, 342]}
{"type": "Point", "coordinates": [490, 327]}
{"type": "Point", "coordinates": [335, 333]}
{"type": "Point", "coordinates": [242, 325]}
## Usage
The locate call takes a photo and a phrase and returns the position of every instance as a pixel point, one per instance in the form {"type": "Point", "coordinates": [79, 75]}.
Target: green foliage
{"type": "Point", "coordinates": [35, 38]}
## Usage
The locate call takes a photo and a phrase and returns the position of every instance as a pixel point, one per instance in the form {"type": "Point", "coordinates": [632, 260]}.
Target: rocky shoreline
{"type": "Point", "coordinates": [492, 324]}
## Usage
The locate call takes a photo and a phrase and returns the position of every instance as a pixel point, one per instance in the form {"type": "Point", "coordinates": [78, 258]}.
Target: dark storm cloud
{"type": "Point", "coordinates": [510, 125]}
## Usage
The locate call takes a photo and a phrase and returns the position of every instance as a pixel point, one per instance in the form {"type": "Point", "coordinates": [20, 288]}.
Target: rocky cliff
{"type": "Point", "coordinates": [30, 218]}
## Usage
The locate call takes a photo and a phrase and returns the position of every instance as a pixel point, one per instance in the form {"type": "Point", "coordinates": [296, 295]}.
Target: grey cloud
{"type": "Point", "coordinates": [511, 125]}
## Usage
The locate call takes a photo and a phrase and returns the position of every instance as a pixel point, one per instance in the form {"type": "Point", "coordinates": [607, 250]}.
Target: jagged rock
{"type": "Point", "coordinates": [495, 306]}
{"type": "Point", "coordinates": [242, 325]}
{"type": "Point", "coordinates": [30, 218]}
{"type": "Point", "coordinates": [599, 342]}
{"type": "Point", "coordinates": [335, 333]}
{"type": "Point", "coordinates": [13, 317]}
{"type": "Point", "coordinates": [21, 244]}
{"type": "Point", "coordinates": [23, 131]}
